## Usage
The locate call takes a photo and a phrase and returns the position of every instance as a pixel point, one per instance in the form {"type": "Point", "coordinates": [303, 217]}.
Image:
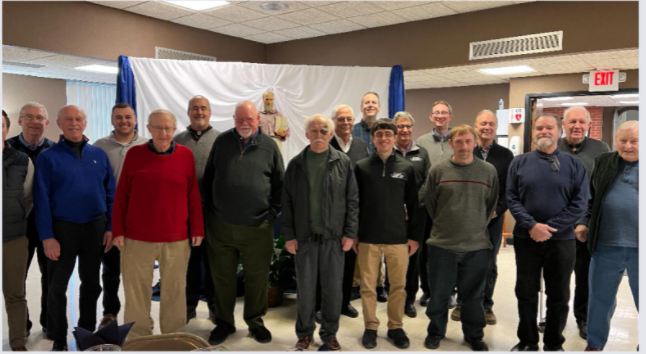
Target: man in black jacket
{"type": "Point", "coordinates": [319, 222]}
{"type": "Point", "coordinates": [389, 207]}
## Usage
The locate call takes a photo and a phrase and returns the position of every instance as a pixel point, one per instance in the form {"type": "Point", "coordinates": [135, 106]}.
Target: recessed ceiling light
{"type": "Point", "coordinates": [198, 5]}
{"type": "Point", "coordinates": [557, 99]}
{"type": "Point", "coordinates": [630, 102]}
{"type": "Point", "coordinates": [508, 70]}
{"type": "Point", "coordinates": [574, 104]}
{"type": "Point", "coordinates": [628, 95]}
{"type": "Point", "coordinates": [103, 69]}
{"type": "Point", "coordinates": [273, 6]}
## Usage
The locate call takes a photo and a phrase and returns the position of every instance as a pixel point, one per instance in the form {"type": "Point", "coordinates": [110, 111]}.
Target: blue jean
{"type": "Point", "coordinates": [606, 271]}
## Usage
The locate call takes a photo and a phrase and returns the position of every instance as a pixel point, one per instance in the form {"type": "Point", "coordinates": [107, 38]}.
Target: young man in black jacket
{"type": "Point", "coordinates": [387, 226]}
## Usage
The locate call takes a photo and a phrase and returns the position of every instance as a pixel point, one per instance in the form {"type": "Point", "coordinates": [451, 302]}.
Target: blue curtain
{"type": "Point", "coordinates": [126, 83]}
{"type": "Point", "coordinates": [396, 91]}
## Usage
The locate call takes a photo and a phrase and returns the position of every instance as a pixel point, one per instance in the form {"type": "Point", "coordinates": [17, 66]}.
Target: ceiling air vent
{"type": "Point", "coordinates": [165, 53]}
{"type": "Point", "coordinates": [507, 47]}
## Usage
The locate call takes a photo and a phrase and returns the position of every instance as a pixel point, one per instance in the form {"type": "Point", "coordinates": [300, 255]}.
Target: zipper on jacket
{"type": "Point", "coordinates": [383, 173]}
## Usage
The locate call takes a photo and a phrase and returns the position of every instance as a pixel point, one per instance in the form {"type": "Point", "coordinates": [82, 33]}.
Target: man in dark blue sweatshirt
{"type": "Point", "coordinates": [547, 192]}
{"type": "Point", "coordinates": [73, 193]}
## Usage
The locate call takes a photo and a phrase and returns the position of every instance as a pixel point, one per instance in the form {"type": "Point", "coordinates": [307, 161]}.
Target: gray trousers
{"type": "Point", "coordinates": [324, 259]}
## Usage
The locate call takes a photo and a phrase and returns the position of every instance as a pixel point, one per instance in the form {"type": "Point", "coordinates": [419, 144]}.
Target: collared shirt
{"type": "Point", "coordinates": [29, 146]}
{"type": "Point", "coordinates": [251, 138]}
{"type": "Point", "coordinates": [443, 137]}
{"type": "Point", "coordinates": [405, 150]}
{"type": "Point", "coordinates": [167, 152]}
{"type": "Point", "coordinates": [197, 135]}
{"type": "Point", "coordinates": [362, 131]}
{"type": "Point", "coordinates": [485, 152]}
{"type": "Point", "coordinates": [345, 147]}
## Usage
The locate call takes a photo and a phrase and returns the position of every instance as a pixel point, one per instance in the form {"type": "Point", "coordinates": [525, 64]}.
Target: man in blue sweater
{"type": "Point", "coordinates": [547, 192]}
{"type": "Point", "coordinates": [73, 193]}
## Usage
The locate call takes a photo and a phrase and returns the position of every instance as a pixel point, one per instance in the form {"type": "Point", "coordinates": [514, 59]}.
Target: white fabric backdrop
{"type": "Point", "coordinates": [299, 91]}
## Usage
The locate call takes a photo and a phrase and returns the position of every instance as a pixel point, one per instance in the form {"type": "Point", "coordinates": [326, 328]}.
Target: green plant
{"type": "Point", "coordinates": [282, 271]}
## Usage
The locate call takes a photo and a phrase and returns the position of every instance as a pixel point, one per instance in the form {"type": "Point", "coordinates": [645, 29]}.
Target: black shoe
{"type": "Point", "coordinates": [190, 316]}
{"type": "Point", "coordinates": [60, 346]}
{"type": "Point", "coordinates": [477, 344]}
{"type": "Point", "coordinates": [399, 338]}
{"type": "Point", "coordinates": [432, 341]}
{"type": "Point", "coordinates": [382, 296]}
{"type": "Point", "coordinates": [356, 293]}
{"type": "Point", "coordinates": [410, 310]}
{"type": "Point", "coordinates": [369, 339]}
{"type": "Point", "coordinates": [318, 316]}
{"type": "Point", "coordinates": [523, 347]}
{"type": "Point", "coordinates": [423, 301]}
{"type": "Point", "coordinates": [350, 311]}
{"type": "Point", "coordinates": [555, 349]}
{"type": "Point", "coordinates": [583, 329]}
{"type": "Point", "coordinates": [453, 302]}
{"type": "Point", "coordinates": [261, 334]}
{"type": "Point", "coordinates": [220, 333]}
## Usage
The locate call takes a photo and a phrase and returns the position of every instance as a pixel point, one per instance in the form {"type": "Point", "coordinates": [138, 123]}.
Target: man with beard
{"type": "Point", "coordinates": [116, 146]}
{"type": "Point", "coordinates": [199, 136]}
{"type": "Point", "coordinates": [547, 192]}
{"type": "Point", "coordinates": [268, 121]}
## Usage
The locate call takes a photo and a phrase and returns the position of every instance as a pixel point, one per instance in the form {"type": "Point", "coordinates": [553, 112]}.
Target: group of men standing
{"type": "Point", "coordinates": [356, 196]}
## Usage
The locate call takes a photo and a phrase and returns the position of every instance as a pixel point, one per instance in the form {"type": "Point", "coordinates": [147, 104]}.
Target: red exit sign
{"type": "Point", "coordinates": [604, 80]}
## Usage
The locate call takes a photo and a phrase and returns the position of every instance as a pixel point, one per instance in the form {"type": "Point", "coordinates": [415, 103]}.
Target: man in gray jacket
{"type": "Point", "coordinates": [319, 222]}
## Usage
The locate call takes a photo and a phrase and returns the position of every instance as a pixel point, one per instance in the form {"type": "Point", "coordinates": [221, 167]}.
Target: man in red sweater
{"type": "Point", "coordinates": [157, 208]}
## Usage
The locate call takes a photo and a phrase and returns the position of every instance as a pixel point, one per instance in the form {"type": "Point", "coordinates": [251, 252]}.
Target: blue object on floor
{"type": "Point", "coordinates": [156, 291]}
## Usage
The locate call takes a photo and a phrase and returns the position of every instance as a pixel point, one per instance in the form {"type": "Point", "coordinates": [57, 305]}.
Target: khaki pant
{"type": "Point", "coordinates": [14, 267]}
{"type": "Point", "coordinates": [381, 277]}
{"type": "Point", "coordinates": [137, 265]}
{"type": "Point", "coordinates": [370, 256]}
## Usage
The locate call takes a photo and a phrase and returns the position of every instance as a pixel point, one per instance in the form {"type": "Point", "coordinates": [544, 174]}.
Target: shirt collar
{"type": "Point", "coordinates": [151, 147]}
{"type": "Point", "coordinates": [32, 148]}
{"type": "Point", "coordinates": [488, 149]}
{"type": "Point", "coordinates": [443, 137]}
{"type": "Point", "coordinates": [196, 135]}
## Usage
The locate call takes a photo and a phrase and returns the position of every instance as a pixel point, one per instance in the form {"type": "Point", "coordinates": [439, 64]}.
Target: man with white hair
{"type": "Point", "coordinates": [73, 194]}
{"type": "Point", "coordinates": [613, 240]}
{"type": "Point", "coordinates": [320, 209]}
{"type": "Point", "coordinates": [576, 123]}
{"type": "Point", "coordinates": [547, 192]}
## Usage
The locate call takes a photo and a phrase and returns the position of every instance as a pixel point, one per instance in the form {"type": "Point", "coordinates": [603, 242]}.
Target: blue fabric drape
{"type": "Point", "coordinates": [396, 91]}
{"type": "Point", "coordinates": [126, 83]}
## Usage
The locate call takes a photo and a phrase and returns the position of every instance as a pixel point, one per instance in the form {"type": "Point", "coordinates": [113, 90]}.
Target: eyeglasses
{"type": "Point", "coordinates": [405, 126]}
{"type": "Point", "coordinates": [322, 131]}
{"type": "Point", "coordinates": [438, 113]}
{"type": "Point", "coordinates": [31, 117]}
{"type": "Point", "coordinates": [556, 165]}
{"type": "Point", "coordinates": [384, 134]}
{"type": "Point", "coordinates": [345, 119]}
{"type": "Point", "coordinates": [162, 129]}
{"type": "Point", "coordinates": [249, 120]}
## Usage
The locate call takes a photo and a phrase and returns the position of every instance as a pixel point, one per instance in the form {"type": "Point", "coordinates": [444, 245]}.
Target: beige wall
{"type": "Point", "coordinates": [18, 90]}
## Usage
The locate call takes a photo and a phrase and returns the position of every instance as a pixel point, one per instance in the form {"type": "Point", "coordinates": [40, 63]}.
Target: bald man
{"type": "Point", "coordinates": [243, 182]}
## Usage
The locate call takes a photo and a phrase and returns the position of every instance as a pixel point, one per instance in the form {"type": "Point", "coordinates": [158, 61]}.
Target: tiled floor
{"type": "Point", "coordinates": [499, 337]}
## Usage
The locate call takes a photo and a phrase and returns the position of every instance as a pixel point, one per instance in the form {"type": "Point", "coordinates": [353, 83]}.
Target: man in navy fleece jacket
{"type": "Point", "coordinates": [73, 193]}
{"type": "Point", "coordinates": [547, 192]}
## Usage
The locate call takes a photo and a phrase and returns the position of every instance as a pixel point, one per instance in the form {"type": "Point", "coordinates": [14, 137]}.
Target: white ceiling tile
{"type": "Point", "coordinates": [338, 26]}
{"type": "Point", "coordinates": [424, 12]}
{"type": "Point", "coordinates": [378, 19]}
{"type": "Point", "coordinates": [610, 54]}
{"type": "Point", "coordinates": [468, 6]}
{"type": "Point", "coordinates": [268, 37]}
{"type": "Point", "coordinates": [118, 4]}
{"type": "Point", "coordinates": [71, 61]}
{"type": "Point", "coordinates": [318, 3]}
{"type": "Point", "coordinates": [617, 63]}
{"type": "Point", "coordinates": [237, 30]}
{"type": "Point", "coordinates": [300, 32]}
{"type": "Point", "coordinates": [160, 10]}
{"type": "Point", "coordinates": [414, 86]}
{"type": "Point", "coordinates": [308, 17]}
{"type": "Point", "coordinates": [234, 13]}
{"type": "Point", "coordinates": [271, 24]}
{"type": "Point", "coordinates": [351, 9]}
{"type": "Point", "coordinates": [394, 5]}
{"type": "Point", "coordinates": [202, 21]}
{"type": "Point", "coordinates": [291, 7]}
{"type": "Point", "coordinates": [22, 54]}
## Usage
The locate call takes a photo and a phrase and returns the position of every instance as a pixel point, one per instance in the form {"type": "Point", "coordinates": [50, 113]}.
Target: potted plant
{"type": "Point", "coordinates": [282, 273]}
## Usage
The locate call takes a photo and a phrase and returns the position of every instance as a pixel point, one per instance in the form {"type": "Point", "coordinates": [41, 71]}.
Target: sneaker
{"type": "Point", "coordinates": [303, 343]}
{"type": "Point", "coordinates": [432, 341]}
{"type": "Point", "coordinates": [455, 314]}
{"type": "Point", "coordinates": [369, 339]}
{"type": "Point", "coordinates": [60, 346]}
{"type": "Point", "coordinates": [410, 310]}
{"type": "Point", "coordinates": [261, 334]}
{"type": "Point", "coordinates": [107, 318]}
{"type": "Point", "coordinates": [490, 317]}
{"type": "Point", "coordinates": [220, 333]}
{"type": "Point", "coordinates": [349, 311]}
{"type": "Point", "coordinates": [332, 344]}
{"type": "Point", "coordinates": [423, 301]}
{"type": "Point", "coordinates": [19, 349]}
{"type": "Point", "coordinates": [477, 344]}
{"type": "Point", "coordinates": [382, 296]}
{"type": "Point", "coordinates": [399, 337]}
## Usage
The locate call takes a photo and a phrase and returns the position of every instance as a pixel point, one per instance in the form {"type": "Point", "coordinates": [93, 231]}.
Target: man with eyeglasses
{"type": "Point", "coordinates": [33, 120]}
{"type": "Point", "coordinates": [243, 182]}
{"type": "Point", "coordinates": [199, 136]}
{"type": "Point", "coordinates": [387, 228]}
{"type": "Point", "coordinates": [73, 194]}
{"type": "Point", "coordinates": [320, 209]}
{"type": "Point", "coordinates": [547, 192]}
{"type": "Point", "coordinates": [418, 156]}
{"type": "Point", "coordinates": [116, 146]}
{"type": "Point", "coordinates": [576, 122]}
{"type": "Point", "coordinates": [370, 108]}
